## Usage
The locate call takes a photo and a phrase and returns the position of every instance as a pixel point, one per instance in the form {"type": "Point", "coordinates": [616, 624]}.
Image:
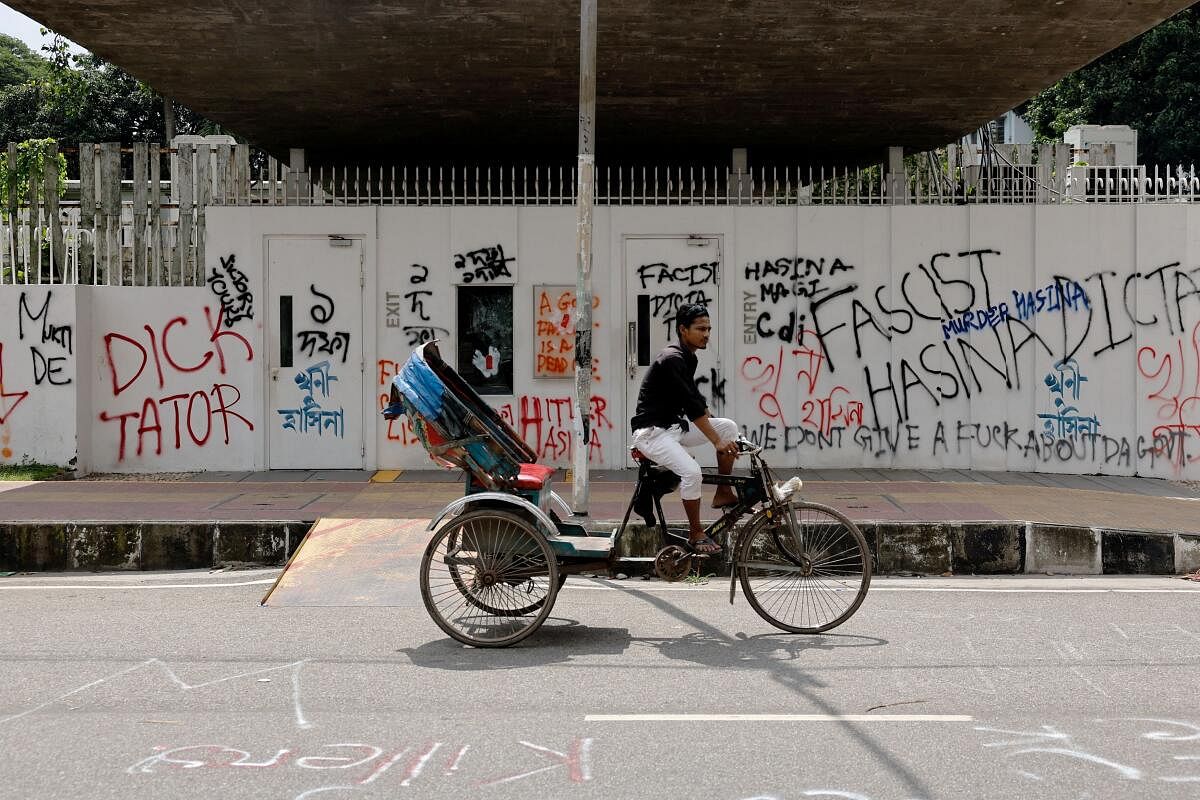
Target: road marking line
{"type": "Point", "coordinates": [876, 589]}
{"type": "Point", "coordinates": [777, 718]}
{"type": "Point", "coordinates": [117, 587]}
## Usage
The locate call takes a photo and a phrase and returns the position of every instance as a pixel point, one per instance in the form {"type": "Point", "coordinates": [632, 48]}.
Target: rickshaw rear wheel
{"type": "Point", "coordinates": [489, 578]}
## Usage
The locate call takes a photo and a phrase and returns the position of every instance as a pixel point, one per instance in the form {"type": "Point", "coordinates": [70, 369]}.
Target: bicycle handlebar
{"type": "Point", "coordinates": [747, 446]}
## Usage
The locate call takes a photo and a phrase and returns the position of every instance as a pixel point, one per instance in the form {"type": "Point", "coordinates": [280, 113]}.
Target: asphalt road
{"type": "Point", "coordinates": [181, 685]}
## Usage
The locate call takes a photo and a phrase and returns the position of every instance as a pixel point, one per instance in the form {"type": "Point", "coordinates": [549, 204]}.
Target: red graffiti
{"type": "Point", "coordinates": [217, 402]}
{"type": "Point", "coordinates": [812, 361]}
{"type": "Point", "coordinates": [1178, 393]}
{"type": "Point", "coordinates": [160, 350]}
{"type": "Point", "coordinates": [821, 414]}
{"type": "Point", "coordinates": [161, 421]}
{"type": "Point", "coordinates": [8, 400]}
{"type": "Point", "coordinates": [554, 334]}
{"type": "Point", "coordinates": [765, 380]}
{"type": "Point", "coordinates": [547, 425]}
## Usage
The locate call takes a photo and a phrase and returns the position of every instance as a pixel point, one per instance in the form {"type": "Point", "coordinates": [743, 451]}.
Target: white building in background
{"type": "Point", "coordinates": [1123, 138]}
{"type": "Point", "coordinates": [1009, 128]}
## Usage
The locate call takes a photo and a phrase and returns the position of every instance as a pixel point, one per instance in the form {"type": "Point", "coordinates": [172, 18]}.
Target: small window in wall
{"type": "Point", "coordinates": [485, 338]}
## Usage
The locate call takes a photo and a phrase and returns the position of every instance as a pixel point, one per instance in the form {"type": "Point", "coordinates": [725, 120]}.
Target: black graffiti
{"type": "Point", "coordinates": [321, 313]}
{"type": "Point", "coordinates": [424, 276]}
{"type": "Point", "coordinates": [232, 289]}
{"type": "Point", "coordinates": [1173, 447]}
{"type": "Point", "coordinates": [691, 275]}
{"type": "Point", "coordinates": [417, 305]}
{"type": "Point", "coordinates": [663, 307]}
{"type": "Point", "coordinates": [419, 334]}
{"type": "Point", "coordinates": [47, 369]}
{"type": "Point", "coordinates": [485, 264]}
{"type": "Point", "coordinates": [61, 335]}
{"type": "Point", "coordinates": [321, 342]}
{"type": "Point", "coordinates": [714, 380]}
{"type": "Point", "coordinates": [793, 270]}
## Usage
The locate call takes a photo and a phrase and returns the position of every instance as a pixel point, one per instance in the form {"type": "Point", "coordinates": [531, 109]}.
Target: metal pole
{"type": "Point", "coordinates": [583, 285]}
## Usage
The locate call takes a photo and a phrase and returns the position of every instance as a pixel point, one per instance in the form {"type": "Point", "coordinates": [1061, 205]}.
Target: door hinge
{"type": "Point", "coordinates": [364, 450]}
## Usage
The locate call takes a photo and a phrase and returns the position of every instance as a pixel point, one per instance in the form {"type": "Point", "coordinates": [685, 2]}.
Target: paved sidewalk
{"type": "Point", "coordinates": [914, 496]}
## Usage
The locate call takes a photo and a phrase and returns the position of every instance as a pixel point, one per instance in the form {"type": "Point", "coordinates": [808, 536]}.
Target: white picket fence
{"type": "Point", "coordinates": [121, 224]}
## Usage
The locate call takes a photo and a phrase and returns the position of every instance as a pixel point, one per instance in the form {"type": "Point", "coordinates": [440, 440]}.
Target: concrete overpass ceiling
{"type": "Point", "coordinates": [497, 80]}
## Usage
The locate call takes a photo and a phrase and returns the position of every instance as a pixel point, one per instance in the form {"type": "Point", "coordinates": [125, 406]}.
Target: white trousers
{"type": "Point", "coordinates": [667, 447]}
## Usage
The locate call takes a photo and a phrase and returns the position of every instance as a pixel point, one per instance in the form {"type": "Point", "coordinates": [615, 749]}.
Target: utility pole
{"type": "Point", "coordinates": [583, 285]}
{"type": "Point", "coordinates": [169, 119]}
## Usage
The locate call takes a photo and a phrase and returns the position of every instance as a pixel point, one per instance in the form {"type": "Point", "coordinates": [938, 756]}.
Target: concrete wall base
{"type": "Point", "coordinates": [51, 547]}
{"type": "Point", "coordinates": [897, 548]}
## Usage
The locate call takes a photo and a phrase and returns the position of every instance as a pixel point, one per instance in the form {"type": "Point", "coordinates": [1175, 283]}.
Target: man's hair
{"type": "Point", "coordinates": [689, 313]}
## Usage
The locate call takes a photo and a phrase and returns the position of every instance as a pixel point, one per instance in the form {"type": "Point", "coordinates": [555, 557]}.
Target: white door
{"type": "Point", "coordinates": [315, 363]}
{"type": "Point", "coordinates": [662, 273]}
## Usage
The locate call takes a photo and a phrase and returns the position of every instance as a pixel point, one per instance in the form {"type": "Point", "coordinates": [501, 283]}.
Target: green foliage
{"type": "Point", "coordinates": [31, 161]}
{"type": "Point", "coordinates": [18, 64]}
{"type": "Point", "coordinates": [79, 97]}
{"type": "Point", "coordinates": [32, 471]}
{"type": "Point", "coordinates": [1151, 83]}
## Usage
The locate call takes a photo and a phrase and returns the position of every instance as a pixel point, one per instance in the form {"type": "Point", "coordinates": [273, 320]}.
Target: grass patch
{"type": "Point", "coordinates": [32, 471]}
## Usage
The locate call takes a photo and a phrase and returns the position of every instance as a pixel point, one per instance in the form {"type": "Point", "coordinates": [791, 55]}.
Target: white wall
{"type": "Point", "coordinates": [39, 350]}
{"type": "Point", "coordinates": [873, 362]}
{"type": "Point", "coordinates": [173, 387]}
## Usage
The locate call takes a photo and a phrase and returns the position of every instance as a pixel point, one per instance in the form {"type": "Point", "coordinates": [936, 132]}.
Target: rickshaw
{"type": "Point", "coordinates": [500, 553]}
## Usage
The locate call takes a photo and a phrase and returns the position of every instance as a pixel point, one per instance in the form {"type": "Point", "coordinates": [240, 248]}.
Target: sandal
{"type": "Point", "coordinates": [704, 546]}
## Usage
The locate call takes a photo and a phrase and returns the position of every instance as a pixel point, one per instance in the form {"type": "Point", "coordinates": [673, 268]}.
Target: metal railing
{"type": "Point", "coordinates": [122, 224]}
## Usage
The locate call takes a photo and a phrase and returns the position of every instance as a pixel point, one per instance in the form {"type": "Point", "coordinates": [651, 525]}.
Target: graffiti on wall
{"type": "Point", "coordinates": [232, 288]}
{"type": "Point", "coordinates": [315, 382]}
{"type": "Point", "coordinates": [871, 366]}
{"type": "Point", "coordinates": [485, 265]}
{"type": "Point", "coordinates": [415, 302]}
{"type": "Point", "coordinates": [322, 339]}
{"type": "Point", "coordinates": [191, 358]}
{"type": "Point", "coordinates": [544, 422]}
{"type": "Point", "coordinates": [554, 332]}
{"type": "Point", "coordinates": [1172, 378]}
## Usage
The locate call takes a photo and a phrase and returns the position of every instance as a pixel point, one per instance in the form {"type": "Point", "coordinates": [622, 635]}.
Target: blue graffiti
{"type": "Point", "coordinates": [1062, 294]}
{"type": "Point", "coordinates": [310, 417]}
{"type": "Point", "coordinates": [1066, 381]}
{"type": "Point", "coordinates": [978, 320]}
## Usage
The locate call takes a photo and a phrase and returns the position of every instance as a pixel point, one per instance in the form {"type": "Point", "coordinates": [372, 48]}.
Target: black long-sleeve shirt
{"type": "Point", "coordinates": [669, 395]}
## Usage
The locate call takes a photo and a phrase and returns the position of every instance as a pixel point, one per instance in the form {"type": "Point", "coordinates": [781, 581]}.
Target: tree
{"type": "Point", "coordinates": [76, 98]}
{"type": "Point", "coordinates": [18, 64]}
{"type": "Point", "coordinates": [1151, 83]}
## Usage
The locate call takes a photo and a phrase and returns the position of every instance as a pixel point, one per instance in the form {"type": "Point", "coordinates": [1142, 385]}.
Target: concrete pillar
{"type": "Point", "coordinates": [897, 181]}
{"type": "Point", "coordinates": [297, 187]}
{"type": "Point", "coordinates": [739, 178]}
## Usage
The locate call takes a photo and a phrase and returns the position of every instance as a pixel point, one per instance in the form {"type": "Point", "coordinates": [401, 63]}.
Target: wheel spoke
{"type": "Point", "coordinates": [807, 579]}
{"type": "Point", "coordinates": [486, 578]}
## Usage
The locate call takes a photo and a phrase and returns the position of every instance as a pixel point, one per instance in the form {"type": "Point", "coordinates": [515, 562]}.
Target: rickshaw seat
{"type": "Point", "coordinates": [533, 476]}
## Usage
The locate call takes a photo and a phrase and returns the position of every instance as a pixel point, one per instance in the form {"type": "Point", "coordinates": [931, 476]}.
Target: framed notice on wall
{"type": "Point", "coordinates": [553, 331]}
{"type": "Point", "coordinates": [485, 338]}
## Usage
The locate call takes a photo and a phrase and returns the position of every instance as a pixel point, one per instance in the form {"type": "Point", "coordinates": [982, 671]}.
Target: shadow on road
{"type": "Point", "coordinates": [558, 641]}
{"type": "Point", "coordinates": [712, 647]}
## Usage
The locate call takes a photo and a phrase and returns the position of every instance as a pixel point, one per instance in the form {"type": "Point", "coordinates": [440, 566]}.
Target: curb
{"type": "Point", "coordinates": [897, 548]}
{"type": "Point", "coordinates": [98, 545]}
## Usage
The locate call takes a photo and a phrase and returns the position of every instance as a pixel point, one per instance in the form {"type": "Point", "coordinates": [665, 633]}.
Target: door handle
{"type": "Point", "coordinates": [631, 351]}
